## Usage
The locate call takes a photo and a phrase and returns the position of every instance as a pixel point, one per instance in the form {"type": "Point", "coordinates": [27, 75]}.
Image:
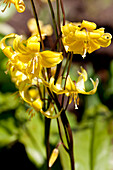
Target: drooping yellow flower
{"type": "Point", "coordinates": [32, 97]}
{"type": "Point", "coordinates": [72, 89]}
{"type": "Point", "coordinates": [46, 30]}
{"type": "Point", "coordinates": [19, 4]}
{"type": "Point", "coordinates": [26, 57]}
{"type": "Point", "coordinates": [84, 37]}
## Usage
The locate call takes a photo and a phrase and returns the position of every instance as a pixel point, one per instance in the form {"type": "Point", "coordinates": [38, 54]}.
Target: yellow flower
{"type": "Point", "coordinates": [32, 97]}
{"type": "Point", "coordinates": [46, 30]}
{"type": "Point", "coordinates": [72, 89]}
{"type": "Point", "coordinates": [84, 37]}
{"type": "Point", "coordinates": [26, 57]}
{"type": "Point", "coordinates": [19, 4]}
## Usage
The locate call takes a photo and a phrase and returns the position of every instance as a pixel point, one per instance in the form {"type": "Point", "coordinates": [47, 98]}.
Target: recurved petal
{"type": "Point", "coordinates": [3, 43]}
{"type": "Point", "coordinates": [56, 88]}
{"type": "Point", "coordinates": [18, 45]}
{"type": "Point", "coordinates": [80, 85]}
{"type": "Point", "coordinates": [20, 6]}
{"type": "Point", "coordinates": [24, 91]}
{"type": "Point", "coordinates": [104, 40]}
{"type": "Point", "coordinates": [95, 84]}
{"type": "Point", "coordinates": [50, 59]}
{"type": "Point", "coordinates": [83, 73]}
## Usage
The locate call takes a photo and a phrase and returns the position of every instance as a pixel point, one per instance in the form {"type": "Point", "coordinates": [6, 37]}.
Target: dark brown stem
{"type": "Point", "coordinates": [38, 26]}
{"type": "Point", "coordinates": [63, 12]}
{"type": "Point", "coordinates": [68, 128]}
{"type": "Point", "coordinates": [61, 136]}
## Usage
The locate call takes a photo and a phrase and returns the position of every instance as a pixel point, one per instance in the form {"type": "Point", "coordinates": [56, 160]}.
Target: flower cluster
{"type": "Point", "coordinates": [27, 63]}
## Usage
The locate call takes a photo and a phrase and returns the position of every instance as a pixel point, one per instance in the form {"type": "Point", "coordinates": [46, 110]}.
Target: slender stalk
{"type": "Point", "coordinates": [37, 21]}
{"type": "Point", "coordinates": [67, 60]}
{"type": "Point", "coordinates": [67, 103]}
{"type": "Point", "coordinates": [68, 128]}
{"type": "Point", "coordinates": [53, 18]}
{"type": "Point", "coordinates": [47, 132]}
{"type": "Point", "coordinates": [68, 132]}
{"type": "Point", "coordinates": [58, 15]}
{"type": "Point", "coordinates": [61, 136]}
{"type": "Point", "coordinates": [58, 22]}
{"type": "Point", "coordinates": [55, 44]}
{"type": "Point", "coordinates": [70, 61]}
{"type": "Point", "coordinates": [63, 12]}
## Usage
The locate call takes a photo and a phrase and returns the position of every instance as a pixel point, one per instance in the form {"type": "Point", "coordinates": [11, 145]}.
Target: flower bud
{"type": "Point", "coordinates": [53, 157]}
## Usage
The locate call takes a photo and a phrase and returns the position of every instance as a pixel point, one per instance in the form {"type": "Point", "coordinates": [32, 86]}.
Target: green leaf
{"type": "Point", "coordinates": [32, 136]}
{"type": "Point", "coordinates": [81, 149]}
{"type": "Point", "coordinates": [8, 131]}
{"type": "Point", "coordinates": [92, 146]}
{"type": "Point", "coordinates": [8, 102]}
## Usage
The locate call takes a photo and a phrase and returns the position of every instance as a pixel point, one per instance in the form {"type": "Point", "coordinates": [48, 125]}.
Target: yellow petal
{"type": "Point", "coordinates": [8, 51]}
{"type": "Point", "coordinates": [88, 25]}
{"type": "Point", "coordinates": [19, 46]}
{"type": "Point", "coordinates": [70, 86]}
{"type": "Point", "coordinates": [83, 73]}
{"type": "Point", "coordinates": [33, 44]}
{"type": "Point", "coordinates": [55, 88]}
{"type": "Point", "coordinates": [50, 59]}
{"type": "Point", "coordinates": [93, 45]}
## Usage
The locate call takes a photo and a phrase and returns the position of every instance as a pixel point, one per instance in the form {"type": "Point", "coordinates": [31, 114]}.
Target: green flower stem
{"type": "Point", "coordinates": [57, 40]}
{"type": "Point", "coordinates": [53, 18]}
{"type": "Point", "coordinates": [70, 61]}
{"type": "Point", "coordinates": [58, 15]}
{"type": "Point", "coordinates": [67, 60]}
{"type": "Point", "coordinates": [68, 132]}
{"type": "Point", "coordinates": [38, 26]}
{"type": "Point", "coordinates": [47, 133]}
